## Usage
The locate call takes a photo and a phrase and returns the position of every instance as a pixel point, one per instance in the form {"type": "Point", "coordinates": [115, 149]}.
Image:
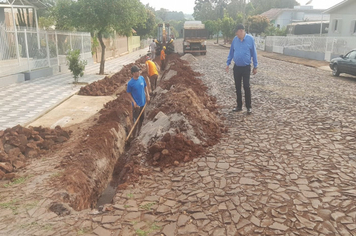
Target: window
{"type": "Point", "coordinates": [335, 24]}
{"type": "Point", "coordinates": [353, 27]}
{"type": "Point", "coordinates": [351, 55]}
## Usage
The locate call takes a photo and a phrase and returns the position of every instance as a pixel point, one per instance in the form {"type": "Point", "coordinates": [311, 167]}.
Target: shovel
{"type": "Point", "coordinates": [133, 127]}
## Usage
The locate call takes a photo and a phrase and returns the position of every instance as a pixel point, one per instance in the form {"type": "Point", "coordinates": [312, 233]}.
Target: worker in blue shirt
{"type": "Point", "coordinates": [241, 51]}
{"type": "Point", "coordinates": [138, 92]}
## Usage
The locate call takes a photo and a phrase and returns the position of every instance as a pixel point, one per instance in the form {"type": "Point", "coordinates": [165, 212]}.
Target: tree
{"type": "Point", "coordinates": [145, 29]}
{"type": "Point", "coordinates": [264, 5]}
{"type": "Point", "coordinates": [162, 13]}
{"type": "Point", "coordinates": [213, 27]}
{"type": "Point", "coordinates": [271, 30]}
{"type": "Point", "coordinates": [257, 24]}
{"type": "Point", "coordinates": [204, 10]}
{"type": "Point", "coordinates": [102, 16]}
{"type": "Point", "coordinates": [228, 27]}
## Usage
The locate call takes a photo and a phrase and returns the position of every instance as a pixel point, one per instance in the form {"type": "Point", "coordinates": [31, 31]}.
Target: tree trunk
{"type": "Point", "coordinates": [102, 61]}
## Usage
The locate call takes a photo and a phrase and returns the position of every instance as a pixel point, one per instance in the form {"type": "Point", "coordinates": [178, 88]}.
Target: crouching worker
{"type": "Point", "coordinates": [139, 95]}
{"type": "Point", "coordinates": [152, 73]}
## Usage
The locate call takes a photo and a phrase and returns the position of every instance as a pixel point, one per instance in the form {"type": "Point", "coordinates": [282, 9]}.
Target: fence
{"type": "Point", "coordinates": [315, 47]}
{"type": "Point", "coordinates": [115, 46]}
{"type": "Point", "coordinates": [28, 49]}
{"type": "Point", "coordinates": [118, 45]}
{"type": "Point", "coordinates": [133, 43]}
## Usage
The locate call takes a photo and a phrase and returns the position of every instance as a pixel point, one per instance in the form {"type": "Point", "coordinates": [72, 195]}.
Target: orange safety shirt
{"type": "Point", "coordinates": [152, 69]}
{"type": "Point", "coordinates": [163, 55]}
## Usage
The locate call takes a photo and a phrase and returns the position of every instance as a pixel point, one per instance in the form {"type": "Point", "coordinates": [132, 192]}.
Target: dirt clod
{"type": "Point", "coordinates": [19, 144]}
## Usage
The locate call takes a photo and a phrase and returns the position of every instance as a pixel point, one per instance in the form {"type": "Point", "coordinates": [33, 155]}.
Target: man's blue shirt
{"type": "Point", "coordinates": [137, 90]}
{"type": "Point", "coordinates": [242, 51]}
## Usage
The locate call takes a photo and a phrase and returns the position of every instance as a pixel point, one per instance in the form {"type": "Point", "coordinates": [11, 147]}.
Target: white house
{"type": "Point", "coordinates": [281, 17]}
{"type": "Point", "coordinates": [342, 19]}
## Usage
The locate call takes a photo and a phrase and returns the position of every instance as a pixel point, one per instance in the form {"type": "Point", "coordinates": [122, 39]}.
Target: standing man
{"type": "Point", "coordinates": [138, 92]}
{"type": "Point", "coordinates": [153, 49]}
{"type": "Point", "coordinates": [163, 57]}
{"type": "Point", "coordinates": [242, 50]}
{"type": "Point", "coordinates": [152, 73]}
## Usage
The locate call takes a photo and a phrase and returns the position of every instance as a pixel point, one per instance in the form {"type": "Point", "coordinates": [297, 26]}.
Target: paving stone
{"type": "Point", "coordinates": [169, 230]}
{"type": "Point", "coordinates": [101, 231]}
{"type": "Point", "coordinates": [223, 165]}
{"type": "Point", "coordinates": [242, 223]}
{"type": "Point", "coordinates": [182, 220]}
{"type": "Point", "coordinates": [248, 181]}
{"type": "Point", "coordinates": [219, 232]}
{"type": "Point", "coordinates": [132, 216]}
{"type": "Point", "coordinates": [109, 219]}
{"type": "Point", "coordinates": [278, 226]}
{"type": "Point", "coordinates": [255, 221]}
{"type": "Point", "coordinates": [199, 216]}
{"type": "Point", "coordinates": [188, 229]}
{"type": "Point", "coordinates": [337, 215]}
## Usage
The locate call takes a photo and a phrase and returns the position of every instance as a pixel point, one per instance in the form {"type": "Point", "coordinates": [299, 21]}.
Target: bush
{"type": "Point", "coordinates": [75, 65]}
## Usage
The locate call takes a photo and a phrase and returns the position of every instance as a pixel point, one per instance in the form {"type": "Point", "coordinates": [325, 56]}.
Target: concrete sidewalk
{"type": "Point", "coordinates": [24, 102]}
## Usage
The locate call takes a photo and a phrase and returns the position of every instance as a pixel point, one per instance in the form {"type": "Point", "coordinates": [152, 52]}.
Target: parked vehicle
{"type": "Point", "coordinates": [194, 35]}
{"type": "Point", "coordinates": [344, 64]}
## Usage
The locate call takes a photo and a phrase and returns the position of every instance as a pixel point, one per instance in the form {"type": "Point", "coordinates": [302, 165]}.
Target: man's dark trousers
{"type": "Point", "coordinates": [242, 73]}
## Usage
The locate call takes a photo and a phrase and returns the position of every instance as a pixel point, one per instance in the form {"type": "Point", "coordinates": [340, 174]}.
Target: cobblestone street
{"type": "Point", "coordinates": [286, 169]}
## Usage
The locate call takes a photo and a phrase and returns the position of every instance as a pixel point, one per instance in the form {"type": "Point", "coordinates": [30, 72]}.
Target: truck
{"type": "Point", "coordinates": [194, 37]}
{"type": "Point", "coordinates": [164, 38]}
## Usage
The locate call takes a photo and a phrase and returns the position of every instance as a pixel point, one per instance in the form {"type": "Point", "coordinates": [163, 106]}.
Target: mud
{"type": "Point", "coordinates": [19, 144]}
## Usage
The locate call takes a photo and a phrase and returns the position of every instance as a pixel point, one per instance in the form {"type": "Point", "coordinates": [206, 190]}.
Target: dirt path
{"type": "Point", "coordinates": [289, 168]}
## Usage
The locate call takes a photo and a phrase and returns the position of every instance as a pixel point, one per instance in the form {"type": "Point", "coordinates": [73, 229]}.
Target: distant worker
{"type": "Point", "coordinates": [152, 73]}
{"type": "Point", "coordinates": [153, 49]}
{"type": "Point", "coordinates": [163, 58]}
{"type": "Point", "coordinates": [138, 91]}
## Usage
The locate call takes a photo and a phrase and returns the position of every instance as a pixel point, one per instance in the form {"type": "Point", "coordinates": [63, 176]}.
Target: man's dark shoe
{"type": "Point", "coordinates": [249, 111]}
{"type": "Point", "coordinates": [237, 109]}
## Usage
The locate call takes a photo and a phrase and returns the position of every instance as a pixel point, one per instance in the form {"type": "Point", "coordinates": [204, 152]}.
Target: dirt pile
{"type": "Point", "coordinates": [182, 118]}
{"type": "Point", "coordinates": [108, 85]}
{"type": "Point", "coordinates": [111, 85]}
{"type": "Point", "coordinates": [19, 144]}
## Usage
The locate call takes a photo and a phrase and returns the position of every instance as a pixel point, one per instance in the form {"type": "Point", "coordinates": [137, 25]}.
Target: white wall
{"type": "Point", "coordinates": [346, 17]}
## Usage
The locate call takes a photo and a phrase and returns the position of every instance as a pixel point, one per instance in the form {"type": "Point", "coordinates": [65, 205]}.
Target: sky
{"type": "Point", "coordinates": [187, 6]}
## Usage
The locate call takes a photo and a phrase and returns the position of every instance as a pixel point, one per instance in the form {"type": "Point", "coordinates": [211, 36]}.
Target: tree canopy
{"type": "Point", "coordinates": [99, 17]}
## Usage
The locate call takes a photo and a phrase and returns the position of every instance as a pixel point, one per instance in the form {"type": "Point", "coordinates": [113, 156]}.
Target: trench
{"type": "Point", "coordinates": [116, 179]}
{"type": "Point", "coordinates": [104, 163]}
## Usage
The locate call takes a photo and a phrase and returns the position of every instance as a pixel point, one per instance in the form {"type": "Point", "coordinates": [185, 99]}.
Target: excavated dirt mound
{"type": "Point", "coordinates": [186, 95]}
{"type": "Point", "coordinates": [110, 85]}
{"type": "Point", "coordinates": [18, 144]}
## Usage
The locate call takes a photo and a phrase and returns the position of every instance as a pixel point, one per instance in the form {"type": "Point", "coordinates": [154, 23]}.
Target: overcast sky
{"type": "Point", "coordinates": [187, 6]}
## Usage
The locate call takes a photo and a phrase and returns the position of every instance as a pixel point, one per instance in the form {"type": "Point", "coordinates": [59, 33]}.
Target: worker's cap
{"type": "Point", "coordinates": [164, 47]}
{"type": "Point", "coordinates": [239, 27]}
{"type": "Point", "coordinates": [135, 69]}
{"type": "Point", "coordinates": [148, 58]}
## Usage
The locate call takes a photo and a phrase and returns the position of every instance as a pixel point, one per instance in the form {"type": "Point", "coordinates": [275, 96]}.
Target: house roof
{"type": "Point", "coordinates": [23, 3]}
{"type": "Point", "coordinates": [273, 13]}
{"type": "Point", "coordinates": [337, 6]}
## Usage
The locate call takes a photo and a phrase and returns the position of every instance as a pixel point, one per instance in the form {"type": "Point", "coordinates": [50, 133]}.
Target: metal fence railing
{"type": "Point", "coordinates": [312, 47]}
{"type": "Point", "coordinates": [28, 49]}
